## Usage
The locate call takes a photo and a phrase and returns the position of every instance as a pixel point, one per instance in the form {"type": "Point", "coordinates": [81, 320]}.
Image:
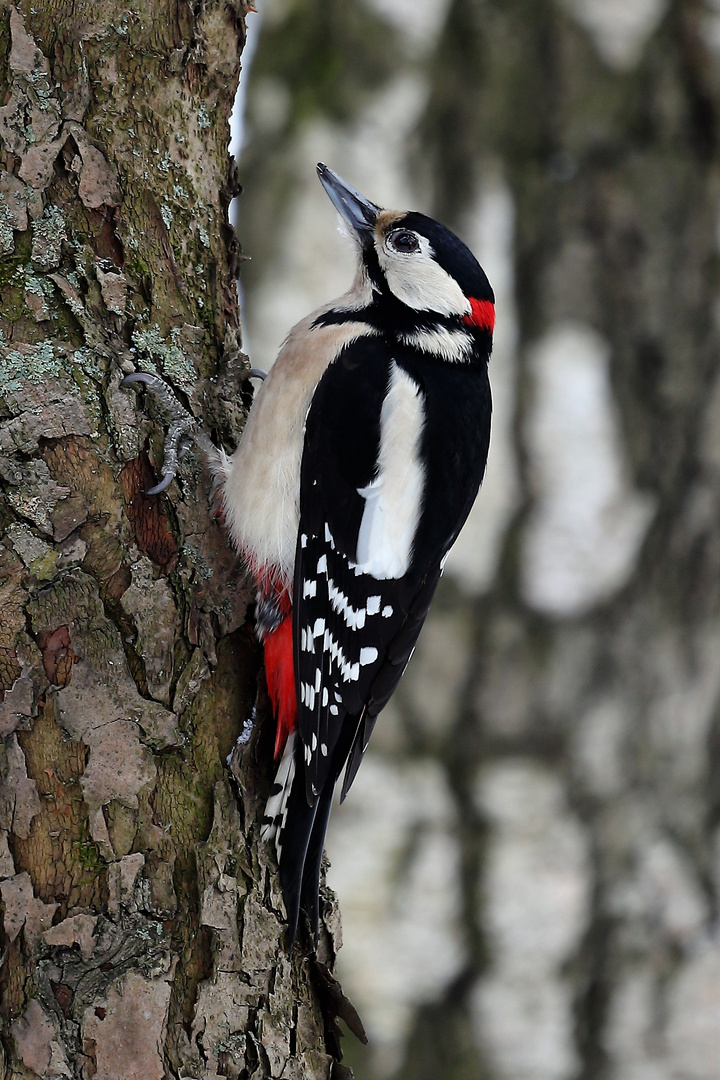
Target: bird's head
{"type": "Point", "coordinates": [412, 263]}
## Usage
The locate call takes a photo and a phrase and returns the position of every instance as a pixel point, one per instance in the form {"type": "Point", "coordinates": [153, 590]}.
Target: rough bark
{"type": "Point", "coordinates": [142, 922]}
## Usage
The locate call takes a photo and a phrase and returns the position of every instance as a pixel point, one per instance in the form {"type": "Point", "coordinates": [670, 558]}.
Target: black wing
{"type": "Point", "coordinates": [354, 633]}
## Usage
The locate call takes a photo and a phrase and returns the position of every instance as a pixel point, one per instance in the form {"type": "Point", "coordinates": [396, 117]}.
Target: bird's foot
{"type": "Point", "coordinates": [184, 429]}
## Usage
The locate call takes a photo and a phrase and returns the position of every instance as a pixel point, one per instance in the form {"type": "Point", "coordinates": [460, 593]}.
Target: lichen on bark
{"type": "Point", "coordinates": [142, 921]}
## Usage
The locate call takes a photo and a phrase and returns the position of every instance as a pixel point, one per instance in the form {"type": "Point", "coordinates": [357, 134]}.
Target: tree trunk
{"type": "Point", "coordinates": [143, 922]}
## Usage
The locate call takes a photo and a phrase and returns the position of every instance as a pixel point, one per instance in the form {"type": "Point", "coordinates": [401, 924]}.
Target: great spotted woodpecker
{"type": "Point", "coordinates": [359, 463]}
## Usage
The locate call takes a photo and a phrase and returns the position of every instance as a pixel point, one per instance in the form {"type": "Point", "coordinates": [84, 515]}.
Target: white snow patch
{"type": "Point", "coordinates": [237, 116]}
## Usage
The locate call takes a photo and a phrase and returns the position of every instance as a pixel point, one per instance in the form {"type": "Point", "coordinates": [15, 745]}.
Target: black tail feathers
{"type": "Point", "coordinates": [300, 847]}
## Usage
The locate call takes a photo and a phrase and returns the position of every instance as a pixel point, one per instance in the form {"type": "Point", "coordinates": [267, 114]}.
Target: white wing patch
{"type": "Point", "coordinates": [316, 638]}
{"type": "Point", "coordinates": [393, 500]}
{"type": "Point", "coordinates": [354, 617]}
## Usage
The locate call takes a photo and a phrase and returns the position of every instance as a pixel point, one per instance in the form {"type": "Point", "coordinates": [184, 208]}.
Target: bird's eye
{"type": "Point", "coordinates": [404, 241]}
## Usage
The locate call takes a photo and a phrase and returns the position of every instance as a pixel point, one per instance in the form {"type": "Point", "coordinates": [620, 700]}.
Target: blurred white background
{"type": "Point", "coordinates": [528, 862]}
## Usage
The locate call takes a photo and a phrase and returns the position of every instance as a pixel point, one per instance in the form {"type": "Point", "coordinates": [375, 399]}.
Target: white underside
{"type": "Point", "coordinates": [260, 483]}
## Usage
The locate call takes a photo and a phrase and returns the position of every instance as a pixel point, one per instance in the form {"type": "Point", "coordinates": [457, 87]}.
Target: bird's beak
{"type": "Point", "coordinates": [355, 209]}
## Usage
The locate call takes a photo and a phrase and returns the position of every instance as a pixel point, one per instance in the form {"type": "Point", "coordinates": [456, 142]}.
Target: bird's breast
{"type": "Point", "coordinates": [260, 484]}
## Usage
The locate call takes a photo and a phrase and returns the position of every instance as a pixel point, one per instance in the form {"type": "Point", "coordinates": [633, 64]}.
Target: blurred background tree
{"type": "Point", "coordinates": [529, 864]}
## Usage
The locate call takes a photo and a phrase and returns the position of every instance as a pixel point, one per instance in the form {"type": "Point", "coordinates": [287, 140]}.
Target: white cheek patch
{"type": "Point", "coordinates": [393, 500]}
{"type": "Point", "coordinates": [419, 281]}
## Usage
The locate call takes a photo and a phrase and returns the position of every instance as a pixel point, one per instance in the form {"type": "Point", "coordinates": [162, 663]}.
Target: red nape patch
{"type": "Point", "coordinates": [280, 676]}
{"type": "Point", "coordinates": [482, 314]}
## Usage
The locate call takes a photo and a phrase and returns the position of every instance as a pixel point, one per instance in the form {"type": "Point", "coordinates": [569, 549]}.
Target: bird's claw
{"type": "Point", "coordinates": [181, 430]}
{"type": "Point", "coordinates": [184, 429]}
{"type": "Point", "coordinates": [162, 486]}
